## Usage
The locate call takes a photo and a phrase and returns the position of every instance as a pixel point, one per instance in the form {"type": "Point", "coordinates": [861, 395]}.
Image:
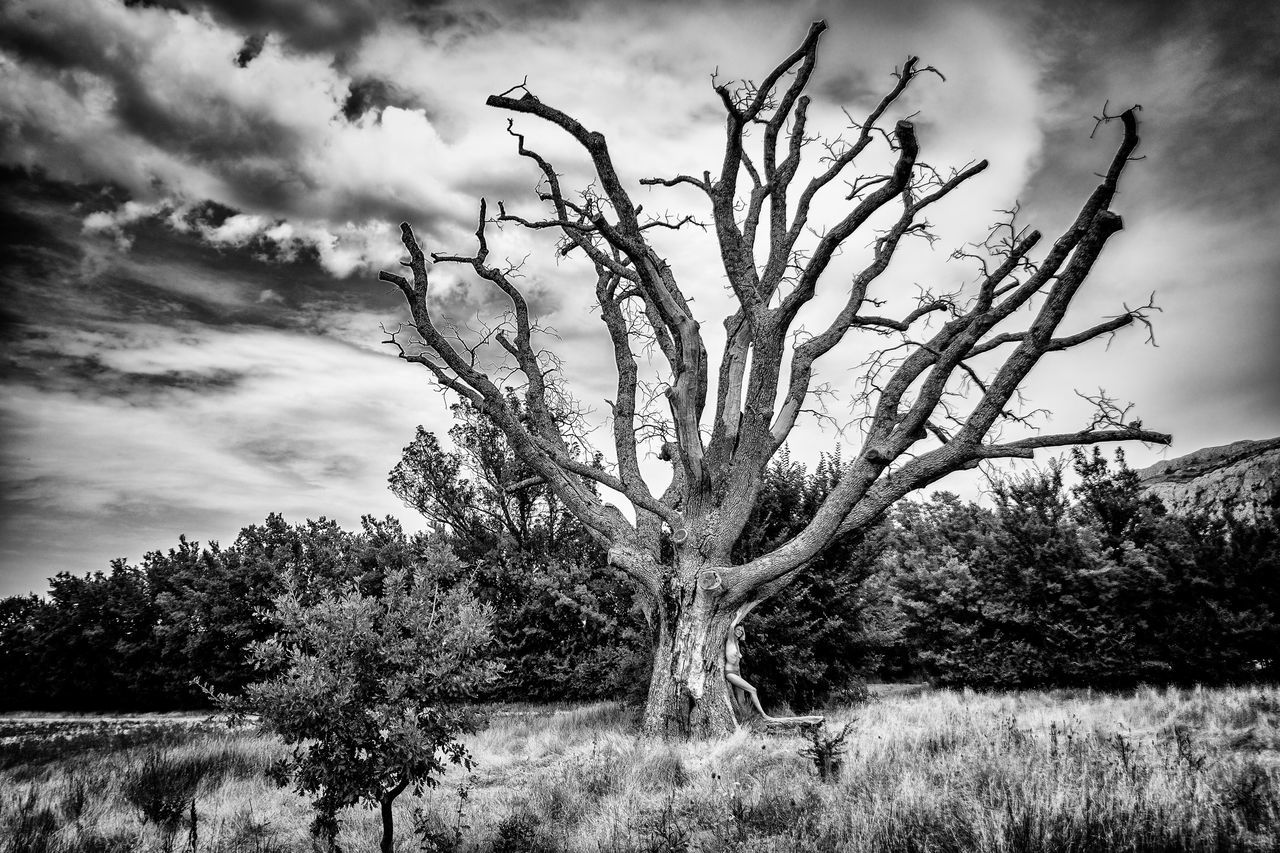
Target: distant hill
{"type": "Point", "coordinates": [1243, 475]}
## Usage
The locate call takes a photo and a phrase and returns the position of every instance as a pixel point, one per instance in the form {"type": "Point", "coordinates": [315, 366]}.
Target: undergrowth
{"type": "Point", "coordinates": [1152, 770]}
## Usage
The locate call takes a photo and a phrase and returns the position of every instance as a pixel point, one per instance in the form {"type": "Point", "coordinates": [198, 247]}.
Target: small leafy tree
{"type": "Point", "coordinates": [367, 688]}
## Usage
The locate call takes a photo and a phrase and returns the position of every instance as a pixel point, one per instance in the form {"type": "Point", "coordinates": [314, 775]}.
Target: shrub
{"type": "Point", "coordinates": [163, 784]}
{"type": "Point", "coordinates": [521, 832]}
{"type": "Point", "coordinates": [368, 688]}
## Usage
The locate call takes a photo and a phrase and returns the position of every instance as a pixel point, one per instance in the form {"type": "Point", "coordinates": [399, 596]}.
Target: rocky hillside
{"type": "Point", "coordinates": [1244, 475]}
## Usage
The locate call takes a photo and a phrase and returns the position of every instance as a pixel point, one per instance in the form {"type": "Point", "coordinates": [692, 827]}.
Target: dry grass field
{"type": "Point", "coordinates": [1155, 770]}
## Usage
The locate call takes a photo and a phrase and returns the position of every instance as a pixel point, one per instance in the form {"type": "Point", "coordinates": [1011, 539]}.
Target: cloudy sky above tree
{"type": "Point", "coordinates": [198, 197]}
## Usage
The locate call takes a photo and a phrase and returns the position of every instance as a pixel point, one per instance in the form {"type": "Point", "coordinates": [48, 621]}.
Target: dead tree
{"type": "Point", "coordinates": [932, 404]}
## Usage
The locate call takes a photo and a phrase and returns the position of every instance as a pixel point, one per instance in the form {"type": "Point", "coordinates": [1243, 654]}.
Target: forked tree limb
{"type": "Point", "coordinates": [775, 260]}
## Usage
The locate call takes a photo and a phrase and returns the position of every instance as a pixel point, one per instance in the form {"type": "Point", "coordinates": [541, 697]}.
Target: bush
{"type": "Point", "coordinates": [369, 687]}
{"type": "Point", "coordinates": [163, 785]}
{"type": "Point", "coordinates": [521, 832]}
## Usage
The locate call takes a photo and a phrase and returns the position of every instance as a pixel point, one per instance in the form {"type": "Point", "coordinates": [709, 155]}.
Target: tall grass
{"type": "Point", "coordinates": [135, 797]}
{"type": "Point", "coordinates": [1152, 770]}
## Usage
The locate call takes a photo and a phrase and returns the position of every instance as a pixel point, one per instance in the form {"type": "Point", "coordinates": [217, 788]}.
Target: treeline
{"type": "Point", "coordinates": [1049, 585]}
{"type": "Point", "coordinates": [140, 636]}
{"type": "Point", "coordinates": [1092, 585]}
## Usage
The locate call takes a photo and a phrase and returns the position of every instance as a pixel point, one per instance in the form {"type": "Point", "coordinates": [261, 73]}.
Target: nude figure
{"type": "Point", "coordinates": [733, 675]}
{"type": "Point", "coordinates": [733, 668]}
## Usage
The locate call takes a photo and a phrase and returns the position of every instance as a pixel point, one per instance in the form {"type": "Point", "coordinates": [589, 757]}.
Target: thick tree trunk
{"type": "Point", "coordinates": [688, 695]}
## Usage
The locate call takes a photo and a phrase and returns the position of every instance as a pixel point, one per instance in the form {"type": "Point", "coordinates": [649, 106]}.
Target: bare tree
{"type": "Point", "coordinates": [932, 403]}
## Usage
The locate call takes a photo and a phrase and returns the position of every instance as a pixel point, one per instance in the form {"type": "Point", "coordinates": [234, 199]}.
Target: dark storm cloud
{"type": "Point", "coordinates": [258, 146]}
{"type": "Point", "coordinates": [371, 93]}
{"type": "Point", "coordinates": [252, 47]}
{"type": "Point", "coordinates": [1205, 75]}
{"type": "Point", "coordinates": [338, 26]}
{"type": "Point", "coordinates": [282, 455]}
{"type": "Point", "coordinates": [34, 40]}
{"type": "Point", "coordinates": [10, 323]}
{"type": "Point", "coordinates": [169, 5]}
{"type": "Point", "coordinates": [208, 214]}
{"type": "Point", "coordinates": [845, 86]}
{"type": "Point", "coordinates": [31, 237]}
{"type": "Point", "coordinates": [274, 133]}
{"type": "Point", "coordinates": [40, 361]}
{"type": "Point", "coordinates": [50, 268]}
{"type": "Point", "coordinates": [44, 264]}
{"type": "Point", "coordinates": [205, 127]}
{"type": "Point", "coordinates": [311, 25]}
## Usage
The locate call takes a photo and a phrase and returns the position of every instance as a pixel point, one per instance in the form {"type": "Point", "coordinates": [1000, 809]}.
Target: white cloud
{"type": "Point", "coordinates": [310, 428]}
{"type": "Point", "coordinates": [267, 139]}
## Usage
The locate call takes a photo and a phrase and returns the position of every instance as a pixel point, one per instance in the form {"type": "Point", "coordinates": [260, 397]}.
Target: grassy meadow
{"type": "Point", "coordinates": [1153, 770]}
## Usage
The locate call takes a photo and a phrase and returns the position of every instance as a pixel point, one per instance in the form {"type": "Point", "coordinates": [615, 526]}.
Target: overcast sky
{"type": "Point", "coordinates": [197, 198]}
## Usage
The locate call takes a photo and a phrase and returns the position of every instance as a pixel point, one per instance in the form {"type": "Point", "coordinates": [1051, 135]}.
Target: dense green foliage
{"type": "Point", "coordinates": [565, 622]}
{"type": "Point", "coordinates": [138, 636]}
{"type": "Point", "coordinates": [1091, 586]}
{"type": "Point", "coordinates": [808, 645]}
{"type": "Point", "coordinates": [366, 687]}
{"type": "Point", "coordinates": [1050, 584]}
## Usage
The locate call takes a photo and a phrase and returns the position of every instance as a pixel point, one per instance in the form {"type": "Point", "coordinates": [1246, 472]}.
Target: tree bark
{"type": "Point", "coordinates": [388, 830]}
{"type": "Point", "coordinates": [688, 694]}
{"type": "Point", "coordinates": [387, 799]}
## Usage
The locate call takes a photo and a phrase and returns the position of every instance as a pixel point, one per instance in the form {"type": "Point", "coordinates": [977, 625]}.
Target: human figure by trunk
{"type": "Point", "coordinates": [743, 691]}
